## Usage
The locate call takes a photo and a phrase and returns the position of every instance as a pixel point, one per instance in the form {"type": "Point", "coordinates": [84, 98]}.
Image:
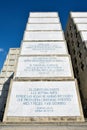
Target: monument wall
{"type": "Point", "coordinates": [44, 88]}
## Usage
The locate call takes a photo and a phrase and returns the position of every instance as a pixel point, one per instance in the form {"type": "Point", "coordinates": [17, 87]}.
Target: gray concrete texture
{"type": "Point", "coordinates": [76, 37]}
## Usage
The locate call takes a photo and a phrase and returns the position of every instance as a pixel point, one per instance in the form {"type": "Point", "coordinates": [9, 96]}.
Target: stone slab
{"type": "Point", "coordinates": [43, 100]}
{"type": "Point", "coordinates": [43, 14]}
{"type": "Point", "coordinates": [51, 126]}
{"type": "Point", "coordinates": [80, 20]}
{"type": "Point", "coordinates": [44, 67]}
{"type": "Point", "coordinates": [83, 35]}
{"type": "Point", "coordinates": [82, 27]}
{"type": "Point", "coordinates": [43, 20]}
{"type": "Point", "coordinates": [43, 36]}
{"type": "Point", "coordinates": [78, 14]}
{"type": "Point", "coordinates": [43, 48]}
{"type": "Point", "coordinates": [39, 27]}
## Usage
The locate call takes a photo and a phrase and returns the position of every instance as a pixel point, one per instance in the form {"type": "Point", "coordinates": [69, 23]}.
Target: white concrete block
{"type": "Point", "coordinates": [43, 27]}
{"type": "Point", "coordinates": [83, 35]}
{"type": "Point", "coordinates": [82, 27]}
{"type": "Point", "coordinates": [9, 68]}
{"type": "Point", "coordinates": [44, 67]}
{"type": "Point", "coordinates": [43, 20]}
{"type": "Point", "coordinates": [43, 14]}
{"type": "Point", "coordinates": [14, 50]}
{"type": "Point", "coordinates": [12, 56]}
{"type": "Point", "coordinates": [17, 51]}
{"type": "Point", "coordinates": [78, 14]}
{"type": "Point", "coordinates": [48, 35]}
{"type": "Point", "coordinates": [43, 48]}
{"type": "Point", "coordinates": [80, 20]}
{"type": "Point", "coordinates": [11, 62]}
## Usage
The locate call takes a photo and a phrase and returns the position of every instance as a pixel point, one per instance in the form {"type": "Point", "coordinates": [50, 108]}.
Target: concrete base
{"type": "Point", "coordinates": [54, 126]}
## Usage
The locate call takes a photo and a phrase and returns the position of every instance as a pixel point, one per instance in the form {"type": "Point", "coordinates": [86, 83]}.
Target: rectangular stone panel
{"type": "Point", "coordinates": [80, 20]}
{"type": "Point", "coordinates": [79, 14]}
{"type": "Point", "coordinates": [44, 67]}
{"type": "Point", "coordinates": [43, 101]}
{"type": "Point", "coordinates": [43, 20]}
{"type": "Point", "coordinates": [43, 48]}
{"type": "Point", "coordinates": [43, 14]}
{"type": "Point", "coordinates": [39, 27]}
{"type": "Point", "coordinates": [83, 35]}
{"type": "Point", "coordinates": [48, 35]}
{"type": "Point", "coordinates": [82, 27]}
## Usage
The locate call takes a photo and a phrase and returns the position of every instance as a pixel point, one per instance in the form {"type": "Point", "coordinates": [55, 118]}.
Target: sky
{"type": "Point", "coordinates": [14, 15]}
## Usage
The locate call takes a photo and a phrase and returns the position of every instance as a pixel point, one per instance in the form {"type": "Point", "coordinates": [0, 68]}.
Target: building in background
{"type": "Point", "coordinates": [6, 75]}
{"type": "Point", "coordinates": [76, 37]}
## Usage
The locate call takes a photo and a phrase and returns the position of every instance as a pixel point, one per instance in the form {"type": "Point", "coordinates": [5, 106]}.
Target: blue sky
{"type": "Point", "coordinates": [14, 15]}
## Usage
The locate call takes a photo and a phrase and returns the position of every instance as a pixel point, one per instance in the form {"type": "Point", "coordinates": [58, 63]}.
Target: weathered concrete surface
{"type": "Point", "coordinates": [57, 126]}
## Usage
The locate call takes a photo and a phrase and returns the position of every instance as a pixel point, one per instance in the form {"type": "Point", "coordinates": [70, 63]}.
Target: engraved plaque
{"type": "Point", "coordinates": [58, 98]}
{"type": "Point", "coordinates": [43, 48]}
{"type": "Point", "coordinates": [44, 66]}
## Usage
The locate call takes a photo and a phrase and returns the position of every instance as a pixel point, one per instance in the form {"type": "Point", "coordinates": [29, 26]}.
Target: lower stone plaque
{"type": "Point", "coordinates": [44, 67]}
{"type": "Point", "coordinates": [43, 101]}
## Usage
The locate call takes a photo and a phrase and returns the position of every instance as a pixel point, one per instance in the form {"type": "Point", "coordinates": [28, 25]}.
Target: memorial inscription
{"type": "Point", "coordinates": [43, 99]}
{"type": "Point", "coordinates": [43, 89]}
{"type": "Point", "coordinates": [43, 48]}
{"type": "Point", "coordinates": [44, 66]}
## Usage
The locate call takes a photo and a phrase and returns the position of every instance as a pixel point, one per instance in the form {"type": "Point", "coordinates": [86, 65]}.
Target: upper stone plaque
{"type": "Point", "coordinates": [79, 14]}
{"type": "Point", "coordinates": [39, 36]}
{"type": "Point", "coordinates": [44, 48]}
{"type": "Point", "coordinates": [42, 14]}
{"type": "Point", "coordinates": [41, 27]}
{"type": "Point", "coordinates": [43, 20]}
